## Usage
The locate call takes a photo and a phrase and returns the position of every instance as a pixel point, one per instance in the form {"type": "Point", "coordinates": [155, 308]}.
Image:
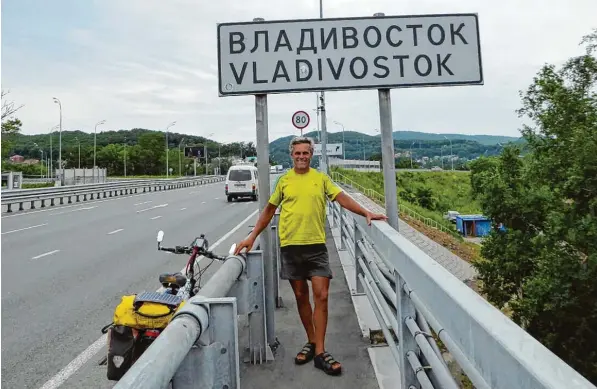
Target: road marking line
{"type": "Point", "coordinates": [74, 210]}
{"type": "Point", "coordinates": [217, 198]}
{"type": "Point", "coordinates": [115, 231]}
{"type": "Point", "coordinates": [154, 207]}
{"type": "Point", "coordinates": [44, 254]}
{"type": "Point", "coordinates": [76, 364]}
{"type": "Point", "coordinates": [182, 209]}
{"type": "Point", "coordinates": [155, 217]}
{"type": "Point", "coordinates": [144, 202]}
{"type": "Point", "coordinates": [88, 353]}
{"type": "Point", "coordinates": [203, 202]}
{"type": "Point", "coordinates": [26, 228]}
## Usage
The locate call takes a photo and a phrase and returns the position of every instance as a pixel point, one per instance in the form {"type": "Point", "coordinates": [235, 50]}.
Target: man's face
{"type": "Point", "coordinates": [301, 155]}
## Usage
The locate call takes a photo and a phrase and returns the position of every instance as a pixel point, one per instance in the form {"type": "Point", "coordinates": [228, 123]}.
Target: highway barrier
{"type": "Point", "coordinates": [40, 196]}
{"type": "Point", "coordinates": [412, 296]}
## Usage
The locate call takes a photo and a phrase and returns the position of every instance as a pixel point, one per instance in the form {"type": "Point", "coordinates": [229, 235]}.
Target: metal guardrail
{"type": "Point", "coordinates": [87, 191]}
{"type": "Point", "coordinates": [380, 199]}
{"type": "Point", "coordinates": [411, 294]}
{"type": "Point", "coordinates": [200, 346]}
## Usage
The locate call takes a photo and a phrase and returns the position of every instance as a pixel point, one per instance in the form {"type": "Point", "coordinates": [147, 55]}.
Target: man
{"type": "Point", "coordinates": [301, 193]}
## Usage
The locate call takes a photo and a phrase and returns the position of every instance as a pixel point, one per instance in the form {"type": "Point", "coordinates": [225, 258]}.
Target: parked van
{"type": "Point", "coordinates": [241, 181]}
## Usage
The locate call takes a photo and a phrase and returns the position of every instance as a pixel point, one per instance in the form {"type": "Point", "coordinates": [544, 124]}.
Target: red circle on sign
{"type": "Point", "coordinates": [301, 123]}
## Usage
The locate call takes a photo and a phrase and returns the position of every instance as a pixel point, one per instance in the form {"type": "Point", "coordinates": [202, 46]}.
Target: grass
{"type": "Point", "coordinates": [430, 194]}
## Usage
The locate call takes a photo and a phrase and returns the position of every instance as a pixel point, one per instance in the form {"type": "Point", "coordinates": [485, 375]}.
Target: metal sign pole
{"type": "Point", "coordinates": [262, 146]}
{"type": "Point", "coordinates": [387, 155]}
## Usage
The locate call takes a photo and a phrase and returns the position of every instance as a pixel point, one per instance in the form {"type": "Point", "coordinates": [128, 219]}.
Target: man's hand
{"type": "Point", "coordinates": [245, 243]}
{"type": "Point", "coordinates": [375, 216]}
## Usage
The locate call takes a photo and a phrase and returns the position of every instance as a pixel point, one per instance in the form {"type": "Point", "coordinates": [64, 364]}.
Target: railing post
{"type": "Point", "coordinates": [341, 225]}
{"type": "Point", "coordinates": [406, 342]}
{"type": "Point", "coordinates": [358, 253]}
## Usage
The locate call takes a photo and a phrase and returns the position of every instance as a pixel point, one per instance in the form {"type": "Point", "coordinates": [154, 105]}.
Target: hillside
{"type": "Point", "coordinates": [488, 140]}
{"type": "Point", "coordinates": [363, 146]}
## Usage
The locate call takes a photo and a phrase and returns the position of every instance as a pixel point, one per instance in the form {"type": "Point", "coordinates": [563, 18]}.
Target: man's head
{"type": "Point", "coordinates": [301, 151]}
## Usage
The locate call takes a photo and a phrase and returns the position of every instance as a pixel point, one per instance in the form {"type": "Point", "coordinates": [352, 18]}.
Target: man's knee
{"type": "Point", "coordinates": [301, 290]}
{"type": "Point", "coordinates": [320, 289]}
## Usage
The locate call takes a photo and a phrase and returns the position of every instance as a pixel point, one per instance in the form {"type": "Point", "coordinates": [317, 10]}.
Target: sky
{"type": "Point", "coordinates": [147, 63]}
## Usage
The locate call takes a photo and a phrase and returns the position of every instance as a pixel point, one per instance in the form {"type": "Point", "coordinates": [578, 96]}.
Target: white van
{"type": "Point", "coordinates": [241, 181]}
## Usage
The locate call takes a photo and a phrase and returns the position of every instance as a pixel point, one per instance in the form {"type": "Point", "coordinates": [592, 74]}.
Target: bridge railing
{"type": "Point", "coordinates": [411, 295]}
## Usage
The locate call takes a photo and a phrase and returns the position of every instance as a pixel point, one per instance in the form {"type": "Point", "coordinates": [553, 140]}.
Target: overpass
{"type": "Point", "coordinates": [79, 259]}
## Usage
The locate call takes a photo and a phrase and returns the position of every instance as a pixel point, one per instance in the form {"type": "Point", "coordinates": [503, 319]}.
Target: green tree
{"type": "Point", "coordinates": [11, 125]}
{"type": "Point", "coordinates": [544, 266]}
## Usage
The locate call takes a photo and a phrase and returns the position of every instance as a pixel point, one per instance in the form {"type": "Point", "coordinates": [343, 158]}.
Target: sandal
{"type": "Point", "coordinates": [326, 362]}
{"type": "Point", "coordinates": [308, 351]}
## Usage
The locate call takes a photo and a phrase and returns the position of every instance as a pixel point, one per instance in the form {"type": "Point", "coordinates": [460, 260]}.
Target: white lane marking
{"type": "Point", "coordinates": [86, 355]}
{"type": "Point", "coordinates": [217, 198]}
{"type": "Point", "coordinates": [76, 364]}
{"type": "Point", "coordinates": [182, 209]}
{"type": "Point", "coordinates": [115, 231]}
{"type": "Point", "coordinates": [74, 210]}
{"type": "Point", "coordinates": [25, 213]}
{"type": "Point", "coordinates": [154, 207]}
{"type": "Point", "coordinates": [45, 254]}
{"type": "Point", "coordinates": [193, 192]}
{"type": "Point", "coordinates": [203, 202]}
{"type": "Point", "coordinates": [26, 228]}
{"type": "Point", "coordinates": [144, 202]}
{"type": "Point", "coordinates": [155, 217]}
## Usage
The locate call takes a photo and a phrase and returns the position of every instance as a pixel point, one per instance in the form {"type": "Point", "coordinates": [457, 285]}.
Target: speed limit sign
{"type": "Point", "coordinates": [300, 119]}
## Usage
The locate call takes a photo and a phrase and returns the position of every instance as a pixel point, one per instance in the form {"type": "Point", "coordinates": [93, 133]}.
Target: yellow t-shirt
{"type": "Point", "coordinates": [302, 198]}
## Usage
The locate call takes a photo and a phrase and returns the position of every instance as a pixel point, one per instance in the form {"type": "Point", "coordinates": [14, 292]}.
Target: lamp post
{"type": "Point", "coordinates": [180, 158]}
{"type": "Point", "coordinates": [167, 167]}
{"type": "Point", "coordinates": [60, 165]}
{"type": "Point", "coordinates": [95, 145]}
{"type": "Point", "coordinates": [343, 149]}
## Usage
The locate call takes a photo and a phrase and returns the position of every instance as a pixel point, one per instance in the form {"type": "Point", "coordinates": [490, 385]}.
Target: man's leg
{"type": "Point", "coordinates": [326, 362]}
{"type": "Point", "coordinates": [321, 286]}
{"type": "Point", "coordinates": [301, 293]}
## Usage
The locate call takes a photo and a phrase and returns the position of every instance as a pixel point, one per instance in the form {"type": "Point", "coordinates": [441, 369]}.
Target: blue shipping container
{"type": "Point", "coordinates": [473, 225]}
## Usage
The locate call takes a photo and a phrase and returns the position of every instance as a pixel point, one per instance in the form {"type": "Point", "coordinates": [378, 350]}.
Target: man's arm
{"type": "Point", "coordinates": [347, 202]}
{"type": "Point", "coordinates": [264, 219]}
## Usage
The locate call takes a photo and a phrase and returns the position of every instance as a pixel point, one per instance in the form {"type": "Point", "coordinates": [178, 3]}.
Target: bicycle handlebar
{"type": "Point", "coordinates": [189, 250]}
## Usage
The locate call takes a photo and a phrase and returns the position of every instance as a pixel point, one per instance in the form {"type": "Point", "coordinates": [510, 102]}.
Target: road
{"type": "Point", "coordinates": [64, 270]}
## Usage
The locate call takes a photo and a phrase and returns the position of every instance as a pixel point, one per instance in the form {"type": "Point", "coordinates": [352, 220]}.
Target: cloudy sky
{"type": "Point", "coordinates": [146, 63]}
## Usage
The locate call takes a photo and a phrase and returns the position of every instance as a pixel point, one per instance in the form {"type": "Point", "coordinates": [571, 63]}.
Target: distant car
{"type": "Point", "coordinates": [241, 181]}
{"type": "Point", "coordinates": [436, 168]}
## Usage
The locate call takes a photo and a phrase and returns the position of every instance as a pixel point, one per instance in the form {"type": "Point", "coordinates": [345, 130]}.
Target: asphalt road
{"type": "Point", "coordinates": [64, 270]}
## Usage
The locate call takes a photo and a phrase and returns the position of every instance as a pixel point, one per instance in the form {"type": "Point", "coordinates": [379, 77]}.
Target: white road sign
{"type": "Point", "coordinates": [332, 149]}
{"type": "Point", "coordinates": [300, 119]}
{"type": "Point", "coordinates": [348, 53]}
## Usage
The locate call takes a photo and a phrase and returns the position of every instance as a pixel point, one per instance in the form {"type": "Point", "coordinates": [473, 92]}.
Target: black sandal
{"type": "Point", "coordinates": [325, 362]}
{"type": "Point", "coordinates": [308, 351]}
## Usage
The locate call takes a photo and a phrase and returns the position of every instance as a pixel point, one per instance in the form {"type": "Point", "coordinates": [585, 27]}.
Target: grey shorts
{"type": "Point", "coordinates": [304, 261]}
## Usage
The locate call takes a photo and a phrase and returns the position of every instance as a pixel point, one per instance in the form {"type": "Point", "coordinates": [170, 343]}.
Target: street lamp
{"type": "Point", "coordinates": [180, 158]}
{"type": "Point", "coordinates": [51, 165]}
{"type": "Point", "coordinates": [60, 165]}
{"type": "Point", "coordinates": [451, 152]}
{"type": "Point", "coordinates": [79, 142]}
{"type": "Point", "coordinates": [41, 161]}
{"type": "Point", "coordinates": [95, 145]}
{"type": "Point", "coordinates": [167, 167]}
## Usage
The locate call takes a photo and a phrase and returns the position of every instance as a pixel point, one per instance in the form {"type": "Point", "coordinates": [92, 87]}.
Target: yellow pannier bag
{"type": "Point", "coordinates": [144, 314]}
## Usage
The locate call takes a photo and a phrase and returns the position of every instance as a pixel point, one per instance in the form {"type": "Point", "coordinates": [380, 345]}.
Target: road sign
{"type": "Point", "coordinates": [348, 53]}
{"type": "Point", "coordinates": [332, 149]}
{"type": "Point", "coordinates": [300, 119]}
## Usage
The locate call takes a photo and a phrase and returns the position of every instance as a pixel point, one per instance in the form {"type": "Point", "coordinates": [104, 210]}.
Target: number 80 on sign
{"type": "Point", "coordinates": [300, 119]}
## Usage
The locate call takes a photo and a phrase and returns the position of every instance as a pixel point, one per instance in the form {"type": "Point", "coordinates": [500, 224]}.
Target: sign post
{"type": "Point", "coordinates": [300, 119]}
{"type": "Point", "coordinates": [358, 53]}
